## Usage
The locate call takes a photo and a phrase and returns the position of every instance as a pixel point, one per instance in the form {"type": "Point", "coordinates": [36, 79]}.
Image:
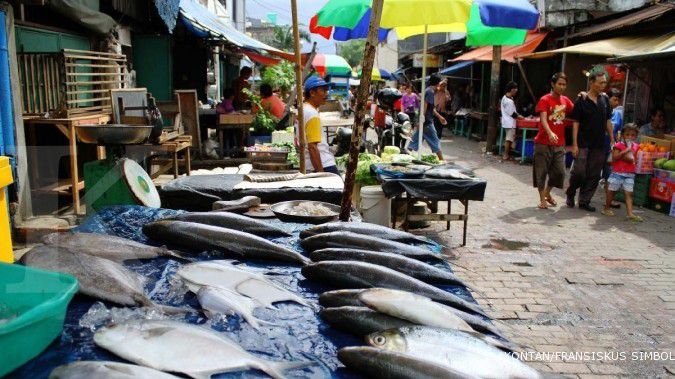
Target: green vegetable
{"type": "Point", "coordinates": [263, 122]}
{"type": "Point", "coordinates": [430, 158]}
{"type": "Point", "coordinates": [363, 175]}
{"type": "Point", "coordinates": [292, 154]}
{"type": "Point", "coordinates": [401, 158]}
{"type": "Point", "coordinates": [391, 150]}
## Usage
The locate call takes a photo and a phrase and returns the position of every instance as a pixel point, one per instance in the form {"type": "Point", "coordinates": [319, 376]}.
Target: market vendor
{"type": "Point", "coordinates": [271, 102]}
{"type": "Point", "coordinates": [239, 84]}
{"type": "Point", "coordinates": [657, 126]}
{"type": "Point", "coordinates": [318, 156]}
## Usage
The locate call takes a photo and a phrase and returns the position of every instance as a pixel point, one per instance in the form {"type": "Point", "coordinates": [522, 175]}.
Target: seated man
{"type": "Point", "coordinates": [318, 155]}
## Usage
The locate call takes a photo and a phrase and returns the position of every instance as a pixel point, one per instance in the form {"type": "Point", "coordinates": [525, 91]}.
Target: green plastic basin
{"type": "Point", "coordinates": [33, 306]}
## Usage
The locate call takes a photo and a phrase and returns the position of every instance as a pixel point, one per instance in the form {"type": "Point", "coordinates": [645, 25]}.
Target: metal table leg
{"type": "Point", "coordinates": [466, 218]}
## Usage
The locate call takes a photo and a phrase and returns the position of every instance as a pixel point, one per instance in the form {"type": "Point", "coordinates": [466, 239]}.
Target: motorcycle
{"type": "Point", "coordinates": [397, 129]}
{"type": "Point", "coordinates": [369, 142]}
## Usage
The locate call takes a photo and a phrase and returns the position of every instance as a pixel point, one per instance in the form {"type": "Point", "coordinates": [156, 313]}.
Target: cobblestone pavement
{"type": "Point", "coordinates": [566, 280]}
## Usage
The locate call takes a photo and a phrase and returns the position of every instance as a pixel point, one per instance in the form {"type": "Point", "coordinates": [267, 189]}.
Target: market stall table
{"type": "Point", "coordinates": [237, 122]}
{"type": "Point", "coordinates": [526, 125]}
{"type": "Point", "coordinates": [332, 121]}
{"type": "Point", "coordinates": [434, 189]}
{"type": "Point", "coordinates": [67, 126]}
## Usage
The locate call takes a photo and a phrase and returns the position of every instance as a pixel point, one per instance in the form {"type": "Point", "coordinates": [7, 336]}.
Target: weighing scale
{"type": "Point", "coordinates": [116, 180]}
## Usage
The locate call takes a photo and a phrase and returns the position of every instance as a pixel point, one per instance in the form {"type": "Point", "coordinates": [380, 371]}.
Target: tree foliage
{"type": "Point", "coordinates": [352, 51]}
{"type": "Point", "coordinates": [281, 76]}
{"type": "Point", "coordinates": [283, 38]}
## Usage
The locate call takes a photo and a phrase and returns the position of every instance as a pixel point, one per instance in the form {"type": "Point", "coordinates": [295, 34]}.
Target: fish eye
{"type": "Point", "coordinates": [379, 340]}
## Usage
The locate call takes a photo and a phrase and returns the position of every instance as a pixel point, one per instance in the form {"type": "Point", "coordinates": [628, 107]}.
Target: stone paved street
{"type": "Point", "coordinates": [565, 280]}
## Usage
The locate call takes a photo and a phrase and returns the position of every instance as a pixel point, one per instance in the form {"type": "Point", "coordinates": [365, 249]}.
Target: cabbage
{"type": "Point", "coordinates": [391, 150]}
{"type": "Point", "coordinates": [402, 158]}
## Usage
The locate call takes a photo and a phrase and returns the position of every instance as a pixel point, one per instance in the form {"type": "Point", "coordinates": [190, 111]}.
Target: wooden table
{"type": "Point", "coordinates": [332, 121]}
{"type": "Point", "coordinates": [67, 127]}
{"type": "Point", "coordinates": [240, 122]}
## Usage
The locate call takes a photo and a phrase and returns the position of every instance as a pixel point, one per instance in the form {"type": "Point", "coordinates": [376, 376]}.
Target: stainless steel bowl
{"type": "Point", "coordinates": [283, 212]}
{"type": "Point", "coordinates": [113, 134]}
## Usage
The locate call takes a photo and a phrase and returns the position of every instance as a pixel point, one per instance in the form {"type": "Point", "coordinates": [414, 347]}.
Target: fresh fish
{"type": "Point", "coordinates": [215, 300]}
{"type": "Point", "coordinates": [239, 244]}
{"type": "Point", "coordinates": [223, 274]}
{"type": "Point", "coordinates": [347, 240]}
{"type": "Point", "coordinates": [183, 348]}
{"type": "Point", "coordinates": [417, 309]}
{"type": "Point", "coordinates": [232, 221]}
{"type": "Point", "coordinates": [106, 370]}
{"type": "Point", "coordinates": [379, 363]}
{"type": "Point", "coordinates": [97, 277]}
{"type": "Point", "coordinates": [417, 269]}
{"type": "Point", "coordinates": [353, 274]}
{"type": "Point", "coordinates": [454, 349]}
{"type": "Point", "coordinates": [373, 230]}
{"type": "Point", "coordinates": [110, 247]}
{"type": "Point", "coordinates": [238, 205]}
{"type": "Point", "coordinates": [360, 321]}
{"type": "Point", "coordinates": [341, 298]}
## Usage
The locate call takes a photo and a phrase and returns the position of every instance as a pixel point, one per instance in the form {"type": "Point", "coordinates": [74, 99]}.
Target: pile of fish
{"type": "Point", "coordinates": [386, 291]}
{"type": "Point", "coordinates": [385, 285]}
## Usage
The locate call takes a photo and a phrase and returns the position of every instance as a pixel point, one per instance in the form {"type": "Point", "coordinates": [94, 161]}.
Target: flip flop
{"type": "Point", "coordinates": [542, 206]}
{"type": "Point", "coordinates": [551, 201]}
{"type": "Point", "coordinates": [607, 212]}
{"type": "Point", "coordinates": [635, 218]}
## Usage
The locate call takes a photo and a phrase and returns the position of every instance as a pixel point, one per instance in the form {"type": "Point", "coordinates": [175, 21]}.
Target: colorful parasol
{"type": "Point", "coordinates": [329, 64]}
{"type": "Point", "coordinates": [377, 74]}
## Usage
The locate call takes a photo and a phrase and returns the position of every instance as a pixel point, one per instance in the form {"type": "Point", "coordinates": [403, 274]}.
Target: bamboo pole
{"type": "Point", "coordinates": [302, 138]}
{"type": "Point", "coordinates": [423, 104]}
{"type": "Point", "coordinates": [361, 101]}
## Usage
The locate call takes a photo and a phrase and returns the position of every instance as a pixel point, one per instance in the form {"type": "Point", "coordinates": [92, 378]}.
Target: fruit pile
{"type": "Point", "coordinates": [665, 164]}
{"type": "Point", "coordinates": [652, 148]}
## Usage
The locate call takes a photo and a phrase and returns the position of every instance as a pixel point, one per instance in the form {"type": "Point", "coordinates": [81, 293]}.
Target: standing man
{"type": "Point", "coordinates": [238, 86]}
{"type": "Point", "coordinates": [429, 131]}
{"type": "Point", "coordinates": [442, 101]}
{"type": "Point", "coordinates": [319, 157]}
{"type": "Point", "coordinates": [509, 115]}
{"type": "Point", "coordinates": [592, 122]}
{"type": "Point", "coordinates": [549, 143]}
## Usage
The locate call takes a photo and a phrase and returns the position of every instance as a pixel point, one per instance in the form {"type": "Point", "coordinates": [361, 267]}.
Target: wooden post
{"type": "Point", "coordinates": [302, 138]}
{"type": "Point", "coordinates": [361, 101]}
{"type": "Point", "coordinates": [494, 95]}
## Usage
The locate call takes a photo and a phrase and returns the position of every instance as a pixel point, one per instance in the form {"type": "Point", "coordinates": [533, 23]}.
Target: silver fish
{"type": "Point", "coordinates": [184, 348]}
{"type": "Point", "coordinates": [413, 267]}
{"type": "Point", "coordinates": [238, 205]}
{"type": "Point", "coordinates": [106, 370]}
{"type": "Point", "coordinates": [353, 274]}
{"type": "Point", "coordinates": [454, 349]}
{"type": "Point", "coordinates": [97, 277]}
{"type": "Point", "coordinates": [223, 274]}
{"type": "Point", "coordinates": [360, 321]}
{"type": "Point", "coordinates": [215, 300]}
{"type": "Point", "coordinates": [379, 363]}
{"type": "Point", "coordinates": [373, 230]}
{"type": "Point", "coordinates": [341, 298]}
{"type": "Point", "coordinates": [116, 249]}
{"type": "Point", "coordinates": [202, 237]}
{"type": "Point", "coordinates": [232, 221]}
{"type": "Point", "coordinates": [349, 240]}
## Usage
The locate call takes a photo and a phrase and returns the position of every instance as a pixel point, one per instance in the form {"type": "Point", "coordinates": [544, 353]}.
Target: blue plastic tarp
{"type": "Point", "coordinates": [298, 332]}
{"type": "Point", "coordinates": [455, 67]}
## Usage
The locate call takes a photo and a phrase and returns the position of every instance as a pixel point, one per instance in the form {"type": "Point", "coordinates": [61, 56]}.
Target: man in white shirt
{"type": "Point", "coordinates": [509, 115]}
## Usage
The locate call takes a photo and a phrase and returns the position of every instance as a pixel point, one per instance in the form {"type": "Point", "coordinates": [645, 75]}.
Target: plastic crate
{"type": "Point", "coordinates": [640, 191]}
{"type": "Point", "coordinates": [661, 190]}
{"type": "Point", "coordinates": [529, 147]}
{"type": "Point", "coordinates": [644, 164]}
{"type": "Point", "coordinates": [34, 304]}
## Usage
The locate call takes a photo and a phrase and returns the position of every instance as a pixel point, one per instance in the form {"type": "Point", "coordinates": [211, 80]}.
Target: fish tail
{"type": "Point", "coordinates": [276, 369]}
{"type": "Point", "coordinates": [164, 308]}
{"type": "Point", "coordinates": [172, 253]}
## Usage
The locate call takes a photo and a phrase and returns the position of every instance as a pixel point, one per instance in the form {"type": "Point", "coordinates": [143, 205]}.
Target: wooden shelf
{"type": "Point", "coordinates": [61, 187]}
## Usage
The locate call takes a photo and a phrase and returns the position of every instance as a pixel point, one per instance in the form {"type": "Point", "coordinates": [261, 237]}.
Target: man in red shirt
{"type": "Point", "coordinates": [549, 143]}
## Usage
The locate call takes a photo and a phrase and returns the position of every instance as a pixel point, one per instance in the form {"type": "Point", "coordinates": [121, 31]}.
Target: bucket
{"type": "Point", "coordinates": [6, 254]}
{"type": "Point", "coordinates": [374, 206]}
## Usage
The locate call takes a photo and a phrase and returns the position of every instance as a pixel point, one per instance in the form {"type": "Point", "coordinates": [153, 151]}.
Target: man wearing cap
{"type": "Point", "coordinates": [319, 157]}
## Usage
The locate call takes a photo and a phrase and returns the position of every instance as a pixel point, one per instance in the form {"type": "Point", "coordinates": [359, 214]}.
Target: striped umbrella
{"type": "Point", "coordinates": [329, 64]}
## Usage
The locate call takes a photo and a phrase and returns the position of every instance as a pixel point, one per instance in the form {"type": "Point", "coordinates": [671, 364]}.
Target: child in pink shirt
{"type": "Point", "coordinates": [624, 154]}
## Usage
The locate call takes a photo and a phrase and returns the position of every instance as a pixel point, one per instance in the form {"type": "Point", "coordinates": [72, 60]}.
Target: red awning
{"type": "Point", "coordinates": [270, 61]}
{"type": "Point", "coordinates": [509, 53]}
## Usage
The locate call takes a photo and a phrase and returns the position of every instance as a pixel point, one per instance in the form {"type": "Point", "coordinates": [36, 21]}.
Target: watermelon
{"type": "Point", "coordinates": [670, 165]}
{"type": "Point", "coordinates": [660, 162]}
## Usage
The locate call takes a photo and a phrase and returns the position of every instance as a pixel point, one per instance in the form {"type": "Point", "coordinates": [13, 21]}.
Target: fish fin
{"type": "Point", "coordinates": [502, 345]}
{"type": "Point", "coordinates": [165, 251]}
{"type": "Point", "coordinates": [276, 369]}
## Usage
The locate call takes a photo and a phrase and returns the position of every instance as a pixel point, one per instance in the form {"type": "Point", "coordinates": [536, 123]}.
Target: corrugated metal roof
{"type": "Point", "coordinates": [653, 12]}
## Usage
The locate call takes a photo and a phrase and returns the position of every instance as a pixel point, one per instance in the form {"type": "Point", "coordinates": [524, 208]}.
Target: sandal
{"type": "Point", "coordinates": [551, 201]}
{"type": "Point", "coordinates": [542, 206]}
{"type": "Point", "coordinates": [635, 218]}
{"type": "Point", "coordinates": [607, 212]}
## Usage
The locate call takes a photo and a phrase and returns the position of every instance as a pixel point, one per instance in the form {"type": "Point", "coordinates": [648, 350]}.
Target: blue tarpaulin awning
{"type": "Point", "coordinates": [199, 20]}
{"type": "Point", "coordinates": [456, 67]}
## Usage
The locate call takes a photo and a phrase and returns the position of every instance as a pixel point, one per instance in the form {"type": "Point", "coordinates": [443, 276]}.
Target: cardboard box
{"type": "Point", "coordinates": [661, 190]}
{"type": "Point", "coordinates": [665, 141]}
